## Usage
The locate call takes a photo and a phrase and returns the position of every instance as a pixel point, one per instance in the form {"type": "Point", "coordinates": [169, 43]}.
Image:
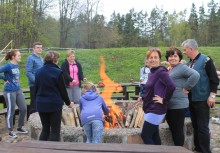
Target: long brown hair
{"type": "Point", "coordinates": [10, 54]}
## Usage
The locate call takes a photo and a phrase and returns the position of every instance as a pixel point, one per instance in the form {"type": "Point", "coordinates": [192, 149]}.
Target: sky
{"type": "Point", "coordinates": [123, 6]}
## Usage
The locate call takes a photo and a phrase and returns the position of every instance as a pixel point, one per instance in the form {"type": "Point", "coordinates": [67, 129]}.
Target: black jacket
{"type": "Point", "coordinates": [66, 72]}
{"type": "Point", "coordinates": [50, 89]}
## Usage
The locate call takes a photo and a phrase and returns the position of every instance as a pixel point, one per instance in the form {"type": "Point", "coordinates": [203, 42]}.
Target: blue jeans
{"type": "Point", "coordinates": [93, 131]}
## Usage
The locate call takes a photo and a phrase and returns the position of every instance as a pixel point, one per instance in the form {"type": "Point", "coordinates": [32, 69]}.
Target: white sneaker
{"type": "Point", "coordinates": [21, 130]}
{"type": "Point", "coordinates": [12, 134]}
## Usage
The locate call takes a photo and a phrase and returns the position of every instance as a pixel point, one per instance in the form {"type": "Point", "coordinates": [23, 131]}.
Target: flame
{"type": "Point", "coordinates": [110, 87]}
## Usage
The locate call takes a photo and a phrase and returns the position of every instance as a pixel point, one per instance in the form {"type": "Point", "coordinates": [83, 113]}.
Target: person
{"type": "Point", "coordinates": [12, 92]}
{"type": "Point", "coordinates": [92, 107]}
{"type": "Point", "coordinates": [159, 89]}
{"type": "Point", "coordinates": [202, 95]}
{"type": "Point", "coordinates": [73, 76]}
{"type": "Point", "coordinates": [218, 73]}
{"type": "Point", "coordinates": [50, 94]}
{"type": "Point", "coordinates": [33, 62]}
{"type": "Point", "coordinates": [184, 78]}
{"type": "Point", "coordinates": [144, 71]}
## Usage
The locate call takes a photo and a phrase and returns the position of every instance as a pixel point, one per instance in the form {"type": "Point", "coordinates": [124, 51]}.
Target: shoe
{"type": "Point", "coordinates": [21, 130]}
{"type": "Point", "coordinates": [12, 134]}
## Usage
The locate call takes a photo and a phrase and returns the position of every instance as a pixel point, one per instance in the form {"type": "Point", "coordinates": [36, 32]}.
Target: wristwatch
{"type": "Point", "coordinates": [212, 96]}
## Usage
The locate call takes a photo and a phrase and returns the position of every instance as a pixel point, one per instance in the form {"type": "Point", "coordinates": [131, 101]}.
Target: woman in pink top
{"type": "Point", "coordinates": [73, 75]}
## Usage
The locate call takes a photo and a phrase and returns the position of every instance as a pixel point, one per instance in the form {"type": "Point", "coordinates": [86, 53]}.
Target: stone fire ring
{"type": "Point", "coordinates": [114, 135]}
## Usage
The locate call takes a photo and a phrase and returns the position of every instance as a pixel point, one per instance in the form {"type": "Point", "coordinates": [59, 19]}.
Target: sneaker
{"type": "Point", "coordinates": [12, 134]}
{"type": "Point", "coordinates": [21, 130]}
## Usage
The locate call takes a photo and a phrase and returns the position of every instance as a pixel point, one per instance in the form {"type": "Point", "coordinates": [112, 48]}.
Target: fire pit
{"type": "Point", "coordinates": [130, 135]}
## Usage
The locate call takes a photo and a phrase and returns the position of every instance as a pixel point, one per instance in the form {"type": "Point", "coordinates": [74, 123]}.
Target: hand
{"type": "Point", "coordinates": [84, 79]}
{"type": "Point", "coordinates": [71, 105]}
{"type": "Point", "coordinates": [158, 99]}
{"type": "Point", "coordinates": [74, 81]}
{"type": "Point", "coordinates": [139, 99]}
{"type": "Point", "coordinates": [6, 82]}
{"type": "Point", "coordinates": [185, 91]}
{"type": "Point", "coordinates": [211, 102]}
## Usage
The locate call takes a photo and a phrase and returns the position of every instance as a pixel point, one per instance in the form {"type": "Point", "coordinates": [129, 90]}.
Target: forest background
{"type": "Point", "coordinates": [79, 25]}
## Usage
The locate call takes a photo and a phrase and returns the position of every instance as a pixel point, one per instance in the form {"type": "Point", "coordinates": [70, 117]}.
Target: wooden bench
{"type": "Point", "coordinates": [69, 147]}
{"type": "Point", "coordinates": [4, 110]}
{"type": "Point", "coordinates": [134, 97]}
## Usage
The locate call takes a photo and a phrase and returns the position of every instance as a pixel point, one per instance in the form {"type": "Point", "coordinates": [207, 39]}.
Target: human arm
{"type": "Point", "coordinates": [168, 88]}
{"type": "Point", "coordinates": [29, 69]}
{"type": "Point", "coordinates": [213, 80]}
{"type": "Point", "coordinates": [104, 107]}
{"type": "Point", "coordinates": [63, 92]}
{"type": "Point", "coordinates": [191, 75]}
{"type": "Point", "coordinates": [65, 69]}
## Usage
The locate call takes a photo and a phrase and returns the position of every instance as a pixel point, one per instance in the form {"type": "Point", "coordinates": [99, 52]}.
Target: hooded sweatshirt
{"type": "Point", "coordinates": [159, 83]}
{"type": "Point", "coordinates": [92, 106]}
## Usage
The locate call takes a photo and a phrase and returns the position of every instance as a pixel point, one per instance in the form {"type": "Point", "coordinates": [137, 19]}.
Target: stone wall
{"type": "Point", "coordinates": [122, 135]}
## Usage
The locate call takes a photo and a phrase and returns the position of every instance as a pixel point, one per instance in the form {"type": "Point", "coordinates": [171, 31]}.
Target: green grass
{"type": "Point", "coordinates": [122, 64]}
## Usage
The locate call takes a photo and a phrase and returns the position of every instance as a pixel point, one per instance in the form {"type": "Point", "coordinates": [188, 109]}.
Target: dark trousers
{"type": "Point", "coordinates": [200, 112]}
{"type": "Point", "coordinates": [51, 125]}
{"type": "Point", "coordinates": [33, 101]}
{"type": "Point", "coordinates": [175, 119]}
{"type": "Point", "coordinates": [150, 134]}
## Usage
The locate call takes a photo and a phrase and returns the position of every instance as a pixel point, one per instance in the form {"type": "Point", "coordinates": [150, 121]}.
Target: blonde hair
{"type": "Point", "coordinates": [70, 52]}
{"type": "Point", "coordinates": [88, 86]}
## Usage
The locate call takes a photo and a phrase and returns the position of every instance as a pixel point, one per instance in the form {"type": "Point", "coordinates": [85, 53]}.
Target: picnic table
{"type": "Point", "coordinates": [70, 147]}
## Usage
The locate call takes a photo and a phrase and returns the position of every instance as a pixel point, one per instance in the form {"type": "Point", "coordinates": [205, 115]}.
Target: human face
{"type": "Point", "coordinates": [187, 51]}
{"type": "Point", "coordinates": [146, 63]}
{"type": "Point", "coordinates": [37, 49]}
{"type": "Point", "coordinates": [173, 59]}
{"type": "Point", "coordinates": [17, 57]}
{"type": "Point", "coordinates": [154, 59]}
{"type": "Point", "coordinates": [71, 58]}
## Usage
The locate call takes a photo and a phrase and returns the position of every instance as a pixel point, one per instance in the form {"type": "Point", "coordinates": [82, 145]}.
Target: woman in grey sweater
{"type": "Point", "coordinates": [184, 78]}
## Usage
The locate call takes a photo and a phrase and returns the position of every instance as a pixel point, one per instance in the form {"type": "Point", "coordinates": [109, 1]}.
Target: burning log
{"type": "Point", "coordinates": [121, 124]}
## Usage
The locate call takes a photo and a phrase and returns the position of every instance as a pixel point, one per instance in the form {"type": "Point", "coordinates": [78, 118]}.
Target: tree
{"type": "Point", "coordinates": [213, 27]}
{"type": "Point", "coordinates": [193, 22]}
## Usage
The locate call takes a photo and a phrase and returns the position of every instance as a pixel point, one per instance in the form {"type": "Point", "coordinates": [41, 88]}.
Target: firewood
{"type": "Point", "coordinates": [141, 121]}
{"type": "Point", "coordinates": [139, 115]}
{"type": "Point", "coordinates": [129, 117]}
{"type": "Point", "coordinates": [120, 123]}
{"type": "Point", "coordinates": [133, 118]}
{"type": "Point", "coordinates": [76, 117]}
{"type": "Point", "coordinates": [68, 118]}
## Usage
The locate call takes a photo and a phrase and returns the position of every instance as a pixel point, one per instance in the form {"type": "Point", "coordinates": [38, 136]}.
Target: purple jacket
{"type": "Point", "coordinates": [159, 83]}
{"type": "Point", "coordinates": [92, 107]}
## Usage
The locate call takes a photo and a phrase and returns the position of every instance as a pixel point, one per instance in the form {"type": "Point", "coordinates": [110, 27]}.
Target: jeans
{"type": "Point", "coordinates": [93, 131]}
{"type": "Point", "coordinates": [175, 119]}
{"type": "Point", "coordinates": [51, 125]}
{"type": "Point", "coordinates": [150, 134]}
{"type": "Point", "coordinates": [200, 112]}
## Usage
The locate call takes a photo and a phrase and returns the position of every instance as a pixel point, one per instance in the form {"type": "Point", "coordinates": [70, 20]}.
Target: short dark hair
{"type": "Point", "coordinates": [36, 43]}
{"type": "Point", "coordinates": [172, 51]}
{"type": "Point", "coordinates": [51, 56]}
